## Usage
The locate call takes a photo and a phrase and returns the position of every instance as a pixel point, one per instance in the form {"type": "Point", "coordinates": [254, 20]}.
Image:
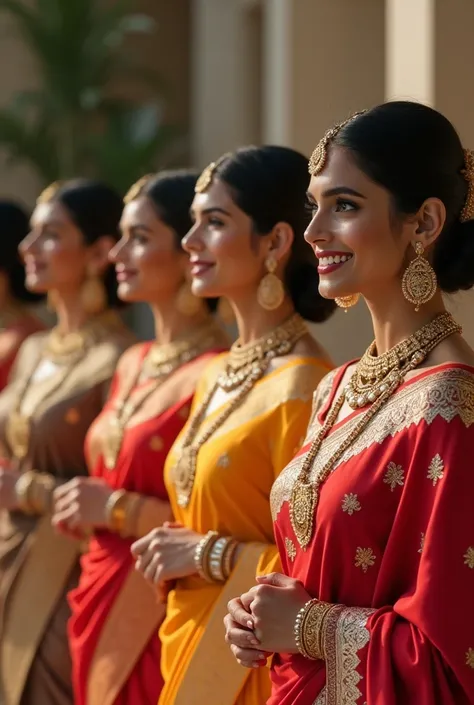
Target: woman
{"type": "Point", "coordinates": [59, 385]}
{"type": "Point", "coordinates": [16, 321]}
{"type": "Point", "coordinates": [113, 631]}
{"type": "Point", "coordinates": [249, 415]}
{"type": "Point", "coordinates": [373, 518]}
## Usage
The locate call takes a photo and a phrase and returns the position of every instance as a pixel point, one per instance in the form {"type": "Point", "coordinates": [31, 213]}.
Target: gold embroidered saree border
{"type": "Point", "coordinates": [321, 699]}
{"type": "Point", "coordinates": [135, 616]}
{"type": "Point", "coordinates": [345, 635]}
{"type": "Point", "coordinates": [213, 675]}
{"type": "Point", "coordinates": [448, 394]}
{"type": "Point", "coordinates": [30, 602]}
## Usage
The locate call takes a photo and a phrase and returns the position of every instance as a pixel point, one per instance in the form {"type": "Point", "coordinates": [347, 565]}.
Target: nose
{"type": "Point", "coordinates": [116, 251]}
{"type": "Point", "coordinates": [315, 232]}
{"type": "Point", "coordinates": [27, 245]}
{"type": "Point", "coordinates": [191, 242]}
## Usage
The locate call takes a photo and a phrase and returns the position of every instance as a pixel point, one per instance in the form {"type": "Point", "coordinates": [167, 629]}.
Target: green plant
{"type": "Point", "coordinates": [74, 124]}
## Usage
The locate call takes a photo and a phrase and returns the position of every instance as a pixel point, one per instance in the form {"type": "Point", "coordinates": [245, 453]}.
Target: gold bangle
{"type": "Point", "coordinates": [115, 510]}
{"type": "Point", "coordinates": [216, 556]}
{"type": "Point", "coordinates": [228, 558]}
{"type": "Point", "coordinates": [132, 509]}
{"type": "Point", "coordinates": [308, 628]}
{"type": "Point", "coordinates": [201, 554]}
{"type": "Point", "coordinates": [23, 492]}
{"type": "Point", "coordinates": [41, 492]}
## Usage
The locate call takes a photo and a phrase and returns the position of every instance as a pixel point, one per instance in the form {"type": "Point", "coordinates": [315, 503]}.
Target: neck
{"type": "Point", "coordinates": [70, 312]}
{"type": "Point", "coordinates": [395, 319]}
{"type": "Point", "coordinates": [170, 324]}
{"type": "Point", "coordinates": [253, 321]}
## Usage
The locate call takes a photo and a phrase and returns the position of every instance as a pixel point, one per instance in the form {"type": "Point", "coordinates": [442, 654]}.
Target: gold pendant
{"type": "Point", "coordinates": [112, 443]}
{"type": "Point", "coordinates": [183, 477]}
{"type": "Point", "coordinates": [304, 498]}
{"type": "Point", "coordinates": [17, 433]}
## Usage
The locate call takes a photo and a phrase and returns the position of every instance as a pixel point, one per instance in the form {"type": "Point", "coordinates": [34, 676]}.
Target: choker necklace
{"type": "Point", "coordinates": [160, 363]}
{"type": "Point", "coordinates": [246, 364]}
{"type": "Point", "coordinates": [394, 366]}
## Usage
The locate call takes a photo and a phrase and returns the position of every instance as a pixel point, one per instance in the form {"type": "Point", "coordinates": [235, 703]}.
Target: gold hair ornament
{"type": "Point", "coordinates": [47, 194]}
{"type": "Point", "coordinates": [205, 180]}
{"type": "Point", "coordinates": [319, 157]}
{"type": "Point", "coordinates": [135, 189]}
{"type": "Point", "coordinates": [467, 212]}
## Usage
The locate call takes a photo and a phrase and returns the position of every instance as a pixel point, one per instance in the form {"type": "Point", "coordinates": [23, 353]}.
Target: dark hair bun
{"type": "Point", "coordinates": [454, 258]}
{"type": "Point", "coordinates": [269, 184]}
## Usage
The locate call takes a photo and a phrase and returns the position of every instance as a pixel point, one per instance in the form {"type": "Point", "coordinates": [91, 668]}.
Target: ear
{"type": "Point", "coordinates": [430, 221]}
{"type": "Point", "coordinates": [99, 253]}
{"type": "Point", "coordinates": [279, 241]}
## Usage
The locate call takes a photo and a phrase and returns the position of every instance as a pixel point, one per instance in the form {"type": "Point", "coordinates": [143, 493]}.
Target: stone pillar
{"type": "Point", "coordinates": [225, 77]}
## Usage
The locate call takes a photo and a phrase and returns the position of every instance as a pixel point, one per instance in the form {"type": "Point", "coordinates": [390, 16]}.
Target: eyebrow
{"type": "Point", "coordinates": [141, 226]}
{"type": "Point", "coordinates": [212, 209]}
{"type": "Point", "coordinates": [340, 190]}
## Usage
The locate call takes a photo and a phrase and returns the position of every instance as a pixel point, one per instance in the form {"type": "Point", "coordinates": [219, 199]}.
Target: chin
{"type": "Point", "coordinates": [205, 291]}
{"type": "Point", "coordinates": [36, 286]}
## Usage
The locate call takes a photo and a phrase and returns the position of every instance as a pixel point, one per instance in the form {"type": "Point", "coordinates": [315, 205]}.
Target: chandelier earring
{"type": "Point", "coordinates": [419, 283]}
{"type": "Point", "coordinates": [271, 292]}
{"type": "Point", "coordinates": [347, 302]}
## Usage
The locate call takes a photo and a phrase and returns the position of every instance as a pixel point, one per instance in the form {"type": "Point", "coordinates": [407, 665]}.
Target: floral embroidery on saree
{"type": "Point", "coordinates": [351, 504]}
{"type": "Point", "coordinates": [395, 476]}
{"type": "Point", "coordinates": [436, 469]}
{"type": "Point", "coordinates": [469, 557]}
{"type": "Point", "coordinates": [290, 549]}
{"type": "Point", "coordinates": [470, 658]}
{"type": "Point", "coordinates": [364, 558]}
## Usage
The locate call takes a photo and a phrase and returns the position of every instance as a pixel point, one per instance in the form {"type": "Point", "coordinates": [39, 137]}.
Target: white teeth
{"type": "Point", "coordinates": [336, 259]}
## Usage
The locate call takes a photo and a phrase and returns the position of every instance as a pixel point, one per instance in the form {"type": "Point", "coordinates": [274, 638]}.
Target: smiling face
{"type": "Point", "coordinates": [54, 252]}
{"type": "Point", "coordinates": [149, 265]}
{"type": "Point", "coordinates": [227, 257]}
{"type": "Point", "coordinates": [352, 232]}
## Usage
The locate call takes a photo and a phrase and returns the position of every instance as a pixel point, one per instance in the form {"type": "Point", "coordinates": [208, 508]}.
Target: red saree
{"type": "Point", "coordinates": [393, 546]}
{"type": "Point", "coordinates": [113, 630]}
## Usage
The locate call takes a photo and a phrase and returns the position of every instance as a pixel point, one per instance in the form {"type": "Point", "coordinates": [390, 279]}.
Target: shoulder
{"type": "Point", "coordinates": [297, 376]}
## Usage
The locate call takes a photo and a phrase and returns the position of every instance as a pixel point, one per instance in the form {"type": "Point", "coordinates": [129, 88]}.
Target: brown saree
{"type": "Point", "coordinates": [37, 566]}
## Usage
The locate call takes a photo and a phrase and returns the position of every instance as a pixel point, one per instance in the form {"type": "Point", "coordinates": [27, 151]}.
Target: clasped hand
{"type": "Point", "coordinates": [166, 553]}
{"type": "Point", "coordinates": [261, 621]}
{"type": "Point", "coordinates": [79, 506]}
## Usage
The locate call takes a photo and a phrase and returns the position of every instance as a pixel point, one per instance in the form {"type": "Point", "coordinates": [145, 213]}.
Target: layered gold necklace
{"type": "Point", "coordinates": [374, 381]}
{"type": "Point", "coordinates": [159, 364]}
{"type": "Point", "coordinates": [246, 364]}
{"type": "Point", "coordinates": [65, 351]}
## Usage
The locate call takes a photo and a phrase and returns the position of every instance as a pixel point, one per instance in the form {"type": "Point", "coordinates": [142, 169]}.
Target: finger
{"type": "Point", "coordinates": [240, 637]}
{"type": "Point", "coordinates": [142, 545]}
{"type": "Point", "coordinates": [248, 597]}
{"type": "Point", "coordinates": [172, 525]}
{"type": "Point", "coordinates": [151, 569]}
{"type": "Point", "coordinates": [239, 614]}
{"type": "Point", "coordinates": [144, 560]}
{"type": "Point", "coordinates": [276, 579]}
{"type": "Point", "coordinates": [69, 516]}
{"type": "Point", "coordinates": [249, 658]}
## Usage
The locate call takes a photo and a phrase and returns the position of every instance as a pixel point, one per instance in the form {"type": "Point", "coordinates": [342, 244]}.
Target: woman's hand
{"type": "Point", "coordinates": [8, 480]}
{"type": "Point", "coordinates": [166, 553]}
{"type": "Point", "coordinates": [269, 610]}
{"type": "Point", "coordinates": [79, 506]}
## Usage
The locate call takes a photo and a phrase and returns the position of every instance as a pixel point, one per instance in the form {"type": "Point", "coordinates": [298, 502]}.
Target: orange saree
{"type": "Point", "coordinates": [393, 547]}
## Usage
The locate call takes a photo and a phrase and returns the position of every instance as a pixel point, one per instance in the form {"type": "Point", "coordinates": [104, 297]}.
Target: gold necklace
{"type": "Point", "coordinates": [305, 493]}
{"type": "Point", "coordinates": [375, 372]}
{"type": "Point", "coordinates": [255, 362]}
{"type": "Point", "coordinates": [160, 362]}
{"type": "Point", "coordinates": [18, 424]}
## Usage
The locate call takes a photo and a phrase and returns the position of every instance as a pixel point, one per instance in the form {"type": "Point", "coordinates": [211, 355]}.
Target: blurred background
{"type": "Point", "coordinates": [116, 89]}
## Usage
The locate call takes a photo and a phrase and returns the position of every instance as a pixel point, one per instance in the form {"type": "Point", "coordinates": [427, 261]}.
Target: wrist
{"type": "Point", "coordinates": [121, 512]}
{"type": "Point", "coordinates": [214, 557]}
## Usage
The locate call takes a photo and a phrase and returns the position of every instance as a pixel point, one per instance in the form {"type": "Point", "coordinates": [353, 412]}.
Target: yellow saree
{"type": "Point", "coordinates": [235, 472]}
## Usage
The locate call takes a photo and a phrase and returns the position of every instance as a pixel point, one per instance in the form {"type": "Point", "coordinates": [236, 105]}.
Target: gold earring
{"type": "Point", "coordinates": [346, 302]}
{"type": "Point", "coordinates": [93, 295]}
{"type": "Point", "coordinates": [186, 302]}
{"type": "Point", "coordinates": [419, 281]}
{"type": "Point", "coordinates": [271, 292]}
{"type": "Point", "coordinates": [225, 311]}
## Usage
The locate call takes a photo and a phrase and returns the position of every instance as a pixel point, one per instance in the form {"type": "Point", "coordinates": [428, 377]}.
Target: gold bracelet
{"type": "Point", "coordinates": [23, 492]}
{"type": "Point", "coordinates": [308, 628]}
{"type": "Point", "coordinates": [115, 510]}
{"type": "Point", "coordinates": [41, 492]}
{"type": "Point", "coordinates": [228, 558]}
{"type": "Point", "coordinates": [201, 555]}
{"type": "Point", "coordinates": [132, 509]}
{"type": "Point", "coordinates": [216, 556]}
